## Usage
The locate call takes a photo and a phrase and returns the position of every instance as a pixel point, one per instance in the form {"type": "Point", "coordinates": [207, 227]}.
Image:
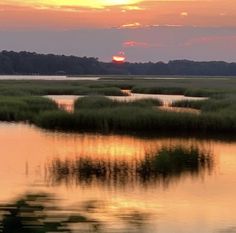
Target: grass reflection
{"type": "Point", "coordinates": [165, 165]}
{"type": "Point", "coordinates": [40, 213]}
{"type": "Point", "coordinates": [30, 214]}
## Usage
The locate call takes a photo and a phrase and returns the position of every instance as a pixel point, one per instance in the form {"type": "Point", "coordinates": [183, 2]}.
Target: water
{"type": "Point", "coordinates": [187, 198]}
{"type": "Point", "coordinates": [67, 101]}
{"type": "Point", "coordinates": [45, 77]}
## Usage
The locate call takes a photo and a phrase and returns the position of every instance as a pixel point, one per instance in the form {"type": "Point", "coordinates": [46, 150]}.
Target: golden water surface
{"type": "Point", "coordinates": [202, 202]}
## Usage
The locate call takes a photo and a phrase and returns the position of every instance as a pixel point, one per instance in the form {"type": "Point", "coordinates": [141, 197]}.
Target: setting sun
{"type": "Point", "coordinates": [120, 58]}
{"type": "Point", "coordinates": [75, 3]}
{"type": "Point", "coordinates": [118, 2]}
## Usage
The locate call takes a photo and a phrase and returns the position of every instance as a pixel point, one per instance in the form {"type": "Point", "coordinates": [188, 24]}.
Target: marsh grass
{"type": "Point", "coordinates": [190, 86]}
{"type": "Point", "coordinates": [159, 90]}
{"type": "Point", "coordinates": [137, 120]}
{"type": "Point", "coordinates": [98, 114]}
{"type": "Point", "coordinates": [227, 103]}
{"type": "Point", "coordinates": [216, 113]}
{"type": "Point", "coordinates": [189, 104]}
{"type": "Point", "coordinates": [191, 92]}
{"type": "Point", "coordinates": [98, 102]}
{"type": "Point", "coordinates": [42, 87]}
{"type": "Point", "coordinates": [24, 108]}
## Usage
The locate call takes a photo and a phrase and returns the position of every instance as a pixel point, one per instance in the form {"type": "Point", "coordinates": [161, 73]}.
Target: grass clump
{"type": "Point", "coordinates": [201, 92]}
{"type": "Point", "coordinates": [24, 108]}
{"type": "Point", "coordinates": [93, 102]}
{"type": "Point", "coordinates": [159, 90]}
{"type": "Point", "coordinates": [130, 119]}
{"type": "Point", "coordinates": [98, 102]}
{"type": "Point", "coordinates": [195, 104]}
{"type": "Point", "coordinates": [102, 120]}
{"type": "Point", "coordinates": [49, 87]}
{"type": "Point", "coordinates": [191, 92]}
{"type": "Point", "coordinates": [174, 161]}
{"type": "Point", "coordinates": [213, 105]}
{"type": "Point", "coordinates": [147, 102]}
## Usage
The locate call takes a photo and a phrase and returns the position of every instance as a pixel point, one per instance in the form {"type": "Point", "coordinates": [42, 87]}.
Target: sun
{"type": "Point", "coordinates": [77, 3]}
{"type": "Point", "coordinates": [118, 2]}
{"type": "Point", "coordinates": [119, 58]}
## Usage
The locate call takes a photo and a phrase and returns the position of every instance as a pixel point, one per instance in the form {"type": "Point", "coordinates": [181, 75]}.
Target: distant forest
{"type": "Point", "coordinates": [26, 63]}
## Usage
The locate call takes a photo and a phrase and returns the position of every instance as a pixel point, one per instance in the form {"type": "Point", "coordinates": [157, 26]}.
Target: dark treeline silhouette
{"type": "Point", "coordinates": [33, 63]}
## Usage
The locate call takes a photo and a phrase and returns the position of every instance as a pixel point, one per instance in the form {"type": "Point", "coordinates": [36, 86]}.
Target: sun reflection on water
{"type": "Point", "coordinates": [181, 195]}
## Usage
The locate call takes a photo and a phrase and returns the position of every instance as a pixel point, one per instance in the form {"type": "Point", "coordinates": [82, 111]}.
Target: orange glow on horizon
{"type": "Point", "coordinates": [70, 3]}
{"type": "Point", "coordinates": [120, 58]}
{"type": "Point", "coordinates": [122, 14]}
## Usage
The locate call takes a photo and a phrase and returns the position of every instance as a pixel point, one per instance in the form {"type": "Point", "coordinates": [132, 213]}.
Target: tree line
{"type": "Point", "coordinates": [27, 63]}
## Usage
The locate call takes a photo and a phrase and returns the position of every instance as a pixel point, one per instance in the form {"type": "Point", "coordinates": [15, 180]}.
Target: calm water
{"type": "Point", "coordinates": [184, 199]}
{"type": "Point", "coordinates": [41, 77]}
{"type": "Point", "coordinates": [67, 101]}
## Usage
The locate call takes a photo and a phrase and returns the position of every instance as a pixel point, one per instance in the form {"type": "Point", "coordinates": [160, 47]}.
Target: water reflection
{"type": "Point", "coordinates": [163, 166]}
{"type": "Point", "coordinates": [32, 213]}
{"type": "Point", "coordinates": [41, 213]}
{"type": "Point", "coordinates": [189, 199]}
{"type": "Point", "coordinates": [228, 230]}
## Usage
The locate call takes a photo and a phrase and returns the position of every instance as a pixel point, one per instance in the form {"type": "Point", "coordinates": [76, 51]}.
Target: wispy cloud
{"type": "Point", "coordinates": [113, 13]}
{"type": "Point", "coordinates": [132, 43]}
{"type": "Point", "coordinates": [131, 25]}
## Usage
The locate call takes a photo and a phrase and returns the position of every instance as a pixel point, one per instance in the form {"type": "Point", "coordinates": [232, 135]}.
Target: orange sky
{"type": "Point", "coordinates": [70, 14]}
{"type": "Point", "coordinates": [146, 30]}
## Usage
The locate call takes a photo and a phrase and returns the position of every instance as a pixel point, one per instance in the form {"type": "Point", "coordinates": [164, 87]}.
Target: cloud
{"type": "Point", "coordinates": [132, 43]}
{"type": "Point", "coordinates": [133, 8]}
{"type": "Point", "coordinates": [184, 13]}
{"type": "Point", "coordinates": [131, 25]}
{"type": "Point", "coordinates": [68, 14]}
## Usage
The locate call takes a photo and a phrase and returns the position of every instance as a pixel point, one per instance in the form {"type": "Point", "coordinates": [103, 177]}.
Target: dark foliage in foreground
{"type": "Point", "coordinates": [41, 213]}
{"type": "Point", "coordinates": [33, 63]}
{"type": "Point", "coordinates": [30, 215]}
